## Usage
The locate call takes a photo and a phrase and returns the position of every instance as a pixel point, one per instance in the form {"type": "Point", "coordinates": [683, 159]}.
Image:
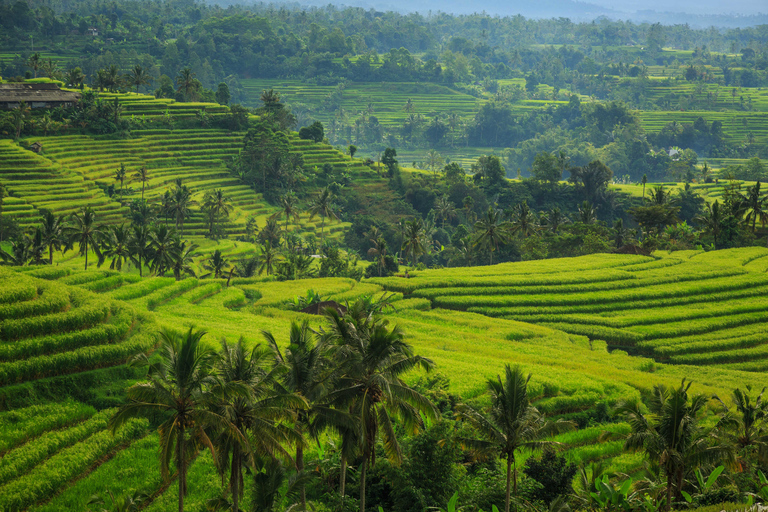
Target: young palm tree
{"type": "Point", "coordinates": [178, 391]}
{"type": "Point", "coordinates": [513, 423]}
{"type": "Point", "coordinates": [217, 205]}
{"type": "Point", "coordinates": [373, 358]}
{"type": "Point", "coordinates": [413, 238]}
{"type": "Point", "coordinates": [84, 231]}
{"type": "Point", "coordinates": [491, 231]}
{"type": "Point", "coordinates": [322, 205]}
{"type": "Point", "coordinates": [142, 175]}
{"type": "Point", "coordinates": [53, 233]}
{"type": "Point", "coordinates": [116, 245]}
{"type": "Point", "coordinates": [139, 246]}
{"type": "Point", "coordinates": [246, 397]}
{"type": "Point", "coordinates": [120, 174]}
{"type": "Point", "coordinates": [672, 437]}
{"type": "Point", "coordinates": [138, 77]}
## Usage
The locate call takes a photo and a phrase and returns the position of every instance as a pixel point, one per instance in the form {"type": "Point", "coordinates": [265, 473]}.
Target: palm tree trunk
{"type": "Point", "coordinates": [50, 253]}
{"type": "Point", "coordinates": [181, 468]}
{"type": "Point", "coordinates": [140, 266]}
{"type": "Point", "coordinates": [509, 476]}
{"type": "Point", "coordinates": [300, 468]}
{"type": "Point", "coordinates": [343, 480]}
{"type": "Point", "coordinates": [668, 505]}
{"type": "Point", "coordinates": [235, 478]}
{"type": "Point", "coordinates": [322, 235]}
{"type": "Point", "coordinates": [86, 254]}
{"type": "Point", "coordinates": [362, 483]}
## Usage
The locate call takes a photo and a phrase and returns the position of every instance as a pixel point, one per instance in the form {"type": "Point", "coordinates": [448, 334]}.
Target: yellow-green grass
{"type": "Point", "coordinates": [736, 125]}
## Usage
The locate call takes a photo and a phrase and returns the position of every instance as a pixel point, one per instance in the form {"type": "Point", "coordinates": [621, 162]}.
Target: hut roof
{"type": "Point", "coordinates": [15, 92]}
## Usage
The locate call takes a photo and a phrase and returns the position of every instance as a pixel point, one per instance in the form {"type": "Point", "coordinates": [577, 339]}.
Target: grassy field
{"type": "Point", "coordinates": [571, 323]}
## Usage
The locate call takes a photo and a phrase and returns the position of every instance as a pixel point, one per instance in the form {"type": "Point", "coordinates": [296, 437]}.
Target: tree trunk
{"type": "Point", "coordinates": [343, 479]}
{"type": "Point", "coordinates": [509, 477]}
{"type": "Point", "coordinates": [140, 266]}
{"type": "Point", "coordinates": [322, 235]}
{"type": "Point", "coordinates": [300, 468]}
{"type": "Point", "coordinates": [50, 253]}
{"type": "Point", "coordinates": [86, 254]}
{"type": "Point", "coordinates": [181, 468]}
{"type": "Point", "coordinates": [235, 478]}
{"type": "Point", "coordinates": [668, 505]}
{"type": "Point", "coordinates": [362, 483]}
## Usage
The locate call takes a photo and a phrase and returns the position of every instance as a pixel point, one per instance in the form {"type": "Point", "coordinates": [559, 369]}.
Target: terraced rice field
{"type": "Point", "coordinates": [736, 125]}
{"type": "Point", "coordinates": [38, 183]}
{"type": "Point", "coordinates": [689, 307]}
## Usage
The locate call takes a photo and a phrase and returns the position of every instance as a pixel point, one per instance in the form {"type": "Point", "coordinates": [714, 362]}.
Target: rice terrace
{"type": "Point", "coordinates": [280, 257]}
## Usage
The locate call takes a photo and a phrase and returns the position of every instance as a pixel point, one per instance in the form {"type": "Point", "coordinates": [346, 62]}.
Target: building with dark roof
{"type": "Point", "coordinates": [35, 96]}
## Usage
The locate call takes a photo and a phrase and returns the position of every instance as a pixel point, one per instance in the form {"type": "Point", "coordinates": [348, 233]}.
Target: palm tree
{"type": "Point", "coordinates": [747, 428]}
{"type": "Point", "coordinates": [379, 252]}
{"type": "Point", "coordinates": [434, 161]}
{"type": "Point", "coordinates": [289, 206]}
{"type": "Point", "coordinates": [307, 375]}
{"type": "Point", "coordinates": [523, 220]}
{"type": "Point", "coordinates": [216, 264]}
{"type": "Point", "coordinates": [142, 175]}
{"type": "Point", "coordinates": [163, 244]}
{"type": "Point", "coordinates": [75, 77]}
{"type": "Point", "coordinates": [671, 435]}
{"type": "Point", "coordinates": [491, 231]}
{"type": "Point", "coordinates": [267, 258]}
{"type": "Point", "coordinates": [373, 358]}
{"type": "Point", "coordinates": [271, 232]}
{"type": "Point", "coordinates": [445, 209]}
{"type": "Point", "coordinates": [53, 233]}
{"type": "Point", "coordinates": [85, 233]}
{"type": "Point", "coordinates": [619, 232]}
{"type": "Point", "coordinates": [246, 397]}
{"type": "Point", "coordinates": [138, 77]}
{"type": "Point", "coordinates": [185, 81]}
{"type": "Point", "coordinates": [512, 424]}
{"type": "Point", "coordinates": [322, 205]}
{"type": "Point", "coordinates": [166, 205]}
{"type": "Point", "coordinates": [18, 116]}
{"type": "Point", "coordinates": [116, 245]}
{"type": "Point", "coordinates": [554, 219]}
{"type": "Point", "coordinates": [139, 246]}
{"type": "Point", "coordinates": [182, 259]}
{"type": "Point", "coordinates": [19, 254]}
{"type": "Point", "coordinates": [413, 239]}
{"type": "Point", "coordinates": [177, 390]}
{"type": "Point", "coordinates": [131, 502]}
{"type": "Point", "coordinates": [181, 205]}
{"type": "Point", "coordinates": [3, 195]}
{"type": "Point", "coordinates": [34, 62]}
{"type": "Point", "coordinates": [756, 206]}
{"type": "Point", "coordinates": [712, 220]}
{"type": "Point", "coordinates": [217, 205]}
{"type": "Point", "coordinates": [587, 212]}
{"type": "Point", "coordinates": [119, 175]}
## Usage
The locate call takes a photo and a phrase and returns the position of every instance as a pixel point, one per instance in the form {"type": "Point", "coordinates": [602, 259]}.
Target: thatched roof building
{"type": "Point", "coordinates": [35, 96]}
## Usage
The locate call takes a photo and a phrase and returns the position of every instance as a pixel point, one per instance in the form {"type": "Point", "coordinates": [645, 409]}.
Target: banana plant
{"type": "Point", "coordinates": [610, 497]}
{"type": "Point", "coordinates": [704, 485]}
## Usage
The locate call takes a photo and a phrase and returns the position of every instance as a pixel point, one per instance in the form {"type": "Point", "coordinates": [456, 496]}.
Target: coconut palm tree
{"type": "Point", "coordinates": [116, 245]}
{"type": "Point", "coordinates": [413, 239]}
{"type": "Point", "coordinates": [671, 435]}
{"type": "Point", "coordinates": [84, 231]}
{"type": "Point", "coordinates": [322, 205]}
{"type": "Point", "coordinates": [3, 195]}
{"type": "Point", "coordinates": [378, 251]}
{"type": "Point", "coordinates": [142, 175]}
{"type": "Point", "coordinates": [246, 397]}
{"type": "Point", "coordinates": [18, 118]}
{"type": "Point", "coordinates": [619, 232]}
{"type": "Point", "coordinates": [19, 254]}
{"type": "Point", "coordinates": [267, 258]}
{"type": "Point", "coordinates": [289, 207]}
{"type": "Point", "coordinates": [119, 175]}
{"type": "Point", "coordinates": [34, 62]}
{"type": "Point", "coordinates": [372, 359]}
{"type": "Point", "coordinates": [53, 233]}
{"type": "Point", "coordinates": [554, 218]}
{"type": "Point", "coordinates": [216, 264]}
{"type": "Point", "coordinates": [217, 205]}
{"type": "Point", "coordinates": [307, 375]}
{"type": "Point", "coordinates": [511, 425]}
{"type": "Point", "coordinates": [523, 220]}
{"type": "Point", "coordinates": [178, 391]}
{"type": "Point", "coordinates": [139, 246]}
{"type": "Point", "coordinates": [491, 231]}
{"type": "Point", "coordinates": [434, 161]}
{"type": "Point", "coordinates": [163, 245]}
{"type": "Point", "coordinates": [756, 206]}
{"type": "Point", "coordinates": [587, 212]}
{"type": "Point", "coordinates": [185, 81]}
{"type": "Point", "coordinates": [747, 427]}
{"type": "Point", "coordinates": [445, 209]}
{"type": "Point", "coordinates": [181, 205]}
{"type": "Point", "coordinates": [712, 220]}
{"type": "Point", "coordinates": [138, 77]}
{"type": "Point", "coordinates": [182, 259]}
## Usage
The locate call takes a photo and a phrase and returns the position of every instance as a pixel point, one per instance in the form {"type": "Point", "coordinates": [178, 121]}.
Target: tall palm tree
{"type": "Point", "coordinates": [163, 244]}
{"type": "Point", "coordinates": [491, 231]}
{"type": "Point", "coordinates": [413, 239]}
{"type": "Point", "coordinates": [523, 220]}
{"type": "Point", "coordinates": [3, 195]}
{"type": "Point", "coordinates": [182, 259]}
{"type": "Point", "coordinates": [18, 118]}
{"type": "Point", "coordinates": [142, 175]}
{"type": "Point", "coordinates": [373, 359]}
{"type": "Point", "coordinates": [712, 220]}
{"type": "Point", "coordinates": [178, 390]}
{"type": "Point", "coordinates": [34, 62]}
{"type": "Point", "coordinates": [116, 245]}
{"type": "Point", "coordinates": [619, 232]}
{"type": "Point", "coordinates": [166, 205]}
{"type": "Point", "coordinates": [671, 435]}
{"type": "Point", "coordinates": [181, 205]}
{"type": "Point", "coordinates": [512, 424]}
{"type": "Point", "coordinates": [138, 77]}
{"type": "Point", "coordinates": [246, 397]}
{"type": "Point", "coordinates": [217, 205]}
{"type": "Point", "coordinates": [554, 218]}
{"type": "Point", "coordinates": [379, 252]}
{"type": "Point", "coordinates": [756, 206]}
{"type": "Point", "coordinates": [84, 231]}
{"type": "Point", "coordinates": [119, 175]}
{"type": "Point", "coordinates": [307, 375]}
{"type": "Point", "coordinates": [139, 246]}
{"type": "Point", "coordinates": [267, 258]}
{"type": "Point", "coordinates": [445, 209]}
{"type": "Point", "coordinates": [216, 264]}
{"type": "Point", "coordinates": [53, 233]}
{"type": "Point", "coordinates": [185, 81]}
{"type": "Point", "coordinates": [322, 205]}
{"type": "Point", "coordinates": [289, 206]}
{"type": "Point", "coordinates": [434, 161]}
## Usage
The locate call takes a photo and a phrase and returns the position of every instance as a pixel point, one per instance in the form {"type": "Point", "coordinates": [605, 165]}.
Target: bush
{"type": "Point", "coordinates": [554, 475]}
